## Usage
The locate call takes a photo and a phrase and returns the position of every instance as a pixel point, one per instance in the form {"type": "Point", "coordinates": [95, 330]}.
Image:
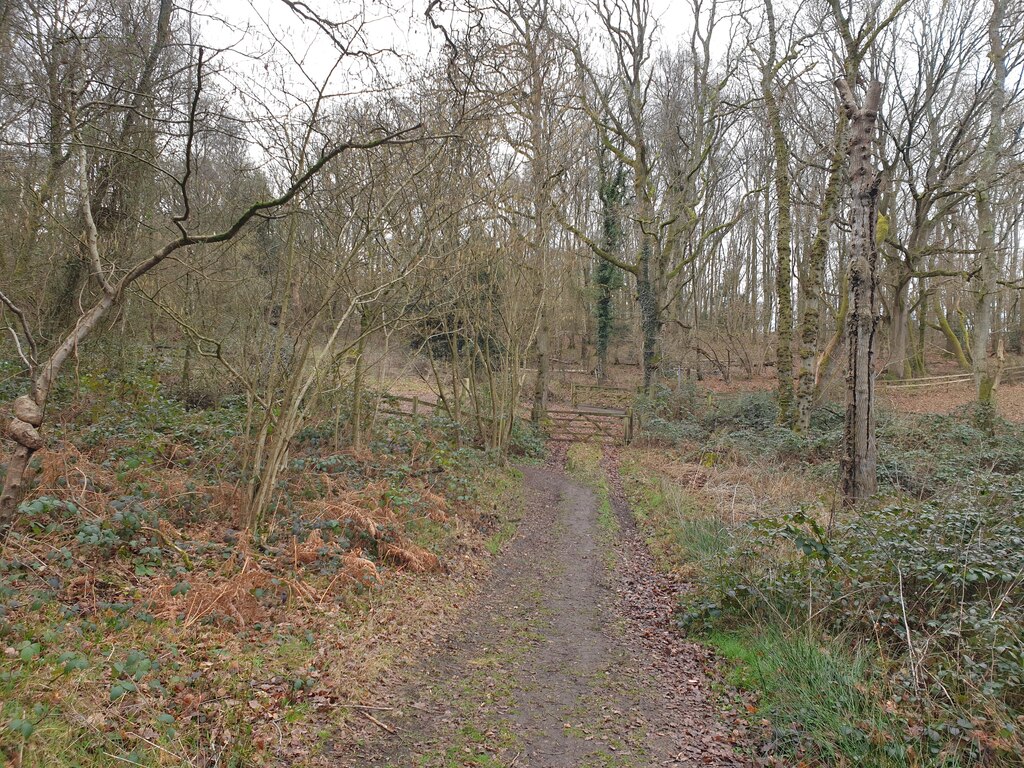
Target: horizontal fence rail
{"type": "Point", "coordinates": [417, 405]}
{"type": "Point", "coordinates": [591, 424]}
{"type": "Point", "coordinates": [1008, 376]}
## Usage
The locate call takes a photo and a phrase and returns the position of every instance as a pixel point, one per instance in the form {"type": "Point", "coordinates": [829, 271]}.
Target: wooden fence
{"type": "Point", "coordinates": [583, 423]}
{"type": "Point", "coordinates": [1009, 375]}
{"type": "Point", "coordinates": [417, 406]}
{"type": "Point", "coordinates": [605, 414]}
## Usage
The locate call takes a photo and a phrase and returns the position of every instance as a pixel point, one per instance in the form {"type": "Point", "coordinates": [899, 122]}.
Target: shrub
{"type": "Point", "coordinates": [667, 404]}
{"type": "Point", "coordinates": [526, 440]}
{"type": "Point", "coordinates": [675, 433]}
{"type": "Point", "coordinates": [755, 410]}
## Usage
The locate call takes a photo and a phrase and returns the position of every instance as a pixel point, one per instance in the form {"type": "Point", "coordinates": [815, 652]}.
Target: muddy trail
{"type": "Point", "coordinates": [567, 658]}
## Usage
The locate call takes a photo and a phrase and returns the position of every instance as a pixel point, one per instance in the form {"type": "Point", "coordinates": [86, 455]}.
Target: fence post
{"type": "Point", "coordinates": [415, 405]}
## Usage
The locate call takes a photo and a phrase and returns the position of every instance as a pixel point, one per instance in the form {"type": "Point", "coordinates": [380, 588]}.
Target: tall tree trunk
{"type": "Point", "coordinates": [811, 287]}
{"type": "Point", "coordinates": [767, 268]}
{"type": "Point", "coordinates": [540, 390]}
{"type": "Point", "coordinates": [650, 315]}
{"type": "Point", "coordinates": [611, 190]}
{"type": "Point", "coordinates": [784, 258]}
{"type": "Point", "coordinates": [357, 380]}
{"type": "Point", "coordinates": [783, 227]}
{"type": "Point", "coordinates": [541, 244]}
{"type": "Point", "coordinates": [919, 366]}
{"type": "Point", "coordinates": [986, 371]}
{"type": "Point", "coordinates": [603, 312]}
{"type": "Point", "coordinates": [648, 262]}
{"type": "Point", "coordinates": [898, 364]}
{"type": "Point", "coordinates": [860, 456]}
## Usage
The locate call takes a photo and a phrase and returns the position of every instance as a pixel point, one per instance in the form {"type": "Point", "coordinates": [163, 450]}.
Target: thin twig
{"type": "Point", "coordinates": [24, 328]}
{"type": "Point", "coordinates": [906, 628]}
{"type": "Point", "coordinates": [377, 722]}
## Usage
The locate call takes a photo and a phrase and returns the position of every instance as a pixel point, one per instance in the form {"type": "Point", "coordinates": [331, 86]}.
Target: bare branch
{"type": "Point", "coordinates": [183, 184]}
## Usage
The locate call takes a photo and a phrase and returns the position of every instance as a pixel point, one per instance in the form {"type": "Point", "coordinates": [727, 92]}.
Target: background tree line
{"type": "Point", "coordinates": [556, 185]}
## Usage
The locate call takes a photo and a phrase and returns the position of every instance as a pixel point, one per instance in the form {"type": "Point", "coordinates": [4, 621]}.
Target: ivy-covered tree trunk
{"type": "Point", "coordinates": [650, 315]}
{"type": "Point", "coordinates": [648, 296]}
{"type": "Point", "coordinates": [607, 276]}
{"type": "Point", "coordinates": [811, 287]}
{"type": "Point", "coordinates": [604, 274]}
{"type": "Point", "coordinates": [860, 452]}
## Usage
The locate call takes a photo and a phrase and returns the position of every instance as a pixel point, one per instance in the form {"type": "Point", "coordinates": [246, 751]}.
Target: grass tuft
{"type": "Point", "coordinates": [820, 696]}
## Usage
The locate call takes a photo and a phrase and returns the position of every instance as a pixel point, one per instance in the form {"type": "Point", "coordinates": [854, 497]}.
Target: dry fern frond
{"type": "Point", "coordinates": [409, 556]}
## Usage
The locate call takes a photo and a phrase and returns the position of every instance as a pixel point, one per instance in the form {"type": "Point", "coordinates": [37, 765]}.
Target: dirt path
{"type": "Point", "coordinates": [565, 660]}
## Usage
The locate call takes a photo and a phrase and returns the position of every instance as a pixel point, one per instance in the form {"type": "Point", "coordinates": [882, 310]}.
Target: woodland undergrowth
{"type": "Point", "coordinates": [138, 624]}
{"type": "Point", "coordinates": [884, 635]}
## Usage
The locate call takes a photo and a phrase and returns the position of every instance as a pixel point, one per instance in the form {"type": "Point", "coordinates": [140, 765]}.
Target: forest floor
{"type": "Point", "coordinates": [568, 656]}
{"type": "Point", "coordinates": [946, 399]}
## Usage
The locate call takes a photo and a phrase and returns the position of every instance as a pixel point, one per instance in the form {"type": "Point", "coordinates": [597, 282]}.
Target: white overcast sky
{"type": "Point", "coordinates": [402, 28]}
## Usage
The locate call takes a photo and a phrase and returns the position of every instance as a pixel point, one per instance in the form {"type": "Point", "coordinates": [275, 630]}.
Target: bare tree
{"type": "Point", "coordinates": [110, 280]}
{"type": "Point", "coordinates": [771, 66]}
{"type": "Point", "coordinates": [986, 373]}
{"type": "Point", "coordinates": [861, 104]}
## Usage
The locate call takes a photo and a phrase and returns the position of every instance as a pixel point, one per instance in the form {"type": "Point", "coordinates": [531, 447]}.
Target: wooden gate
{"type": "Point", "coordinates": [609, 426]}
